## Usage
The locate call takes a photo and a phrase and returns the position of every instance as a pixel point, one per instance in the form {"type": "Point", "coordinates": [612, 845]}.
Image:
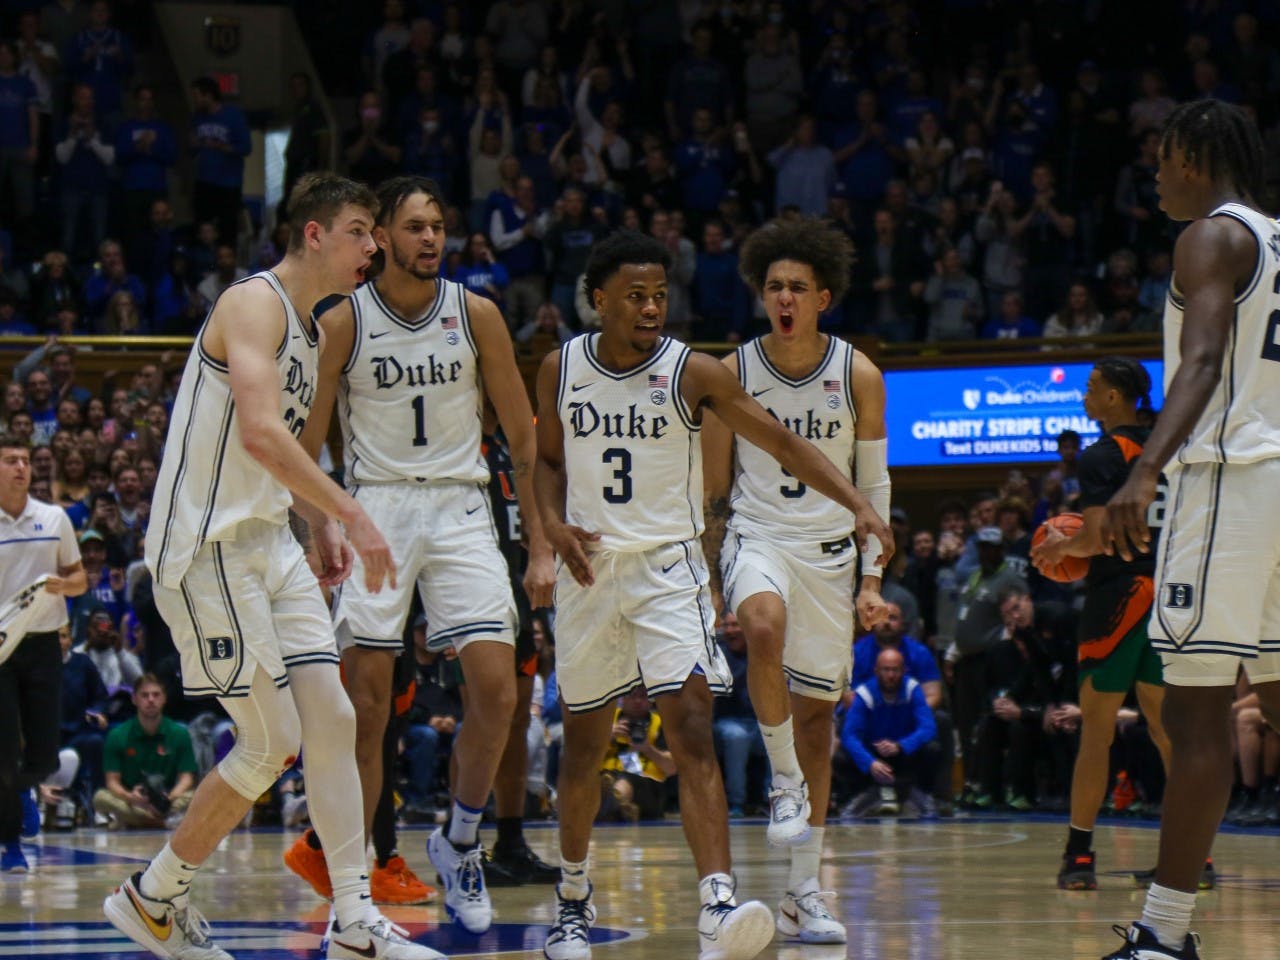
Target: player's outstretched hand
{"type": "Point", "coordinates": [540, 578]}
{"type": "Point", "coordinates": [1048, 553]}
{"type": "Point", "coordinates": [334, 553]}
{"type": "Point", "coordinates": [1124, 526]}
{"type": "Point", "coordinates": [567, 541]}
{"type": "Point", "coordinates": [872, 609]}
{"type": "Point", "coordinates": [374, 553]}
{"type": "Point", "coordinates": [868, 523]}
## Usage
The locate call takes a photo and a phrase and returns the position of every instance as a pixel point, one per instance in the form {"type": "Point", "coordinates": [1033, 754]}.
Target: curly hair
{"type": "Point", "coordinates": [621, 247]}
{"type": "Point", "coordinates": [811, 241]}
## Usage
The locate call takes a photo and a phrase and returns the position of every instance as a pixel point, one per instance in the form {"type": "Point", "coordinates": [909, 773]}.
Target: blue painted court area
{"type": "Point", "coordinates": [268, 940]}
{"type": "Point", "coordinates": [58, 855]}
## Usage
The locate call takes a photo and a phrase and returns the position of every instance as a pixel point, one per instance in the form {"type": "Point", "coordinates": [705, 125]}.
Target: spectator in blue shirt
{"type": "Point", "coordinates": [806, 171]}
{"type": "Point", "coordinates": [102, 57]}
{"type": "Point", "coordinates": [111, 276]}
{"type": "Point", "coordinates": [698, 82]}
{"type": "Point", "coordinates": [220, 142]}
{"type": "Point", "coordinates": [887, 731]}
{"type": "Point", "coordinates": [704, 166]}
{"type": "Point", "coordinates": [480, 272]}
{"type": "Point", "coordinates": [19, 132]}
{"type": "Point", "coordinates": [862, 153]}
{"type": "Point", "coordinates": [84, 716]}
{"type": "Point", "coordinates": [145, 150]}
{"type": "Point", "coordinates": [721, 301]}
{"type": "Point", "coordinates": [919, 663]}
{"type": "Point", "coordinates": [1013, 323]}
{"type": "Point", "coordinates": [86, 156]}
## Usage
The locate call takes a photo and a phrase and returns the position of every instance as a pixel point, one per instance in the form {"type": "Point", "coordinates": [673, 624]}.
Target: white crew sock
{"type": "Point", "coordinates": [1168, 915]}
{"type": "Point", "coordinates": [780, 744]}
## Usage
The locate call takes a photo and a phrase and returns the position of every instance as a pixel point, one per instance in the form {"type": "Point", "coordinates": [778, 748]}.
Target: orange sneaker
{"type": "Point", "coordinates": [309, 864]}
{"type": "Point", "coordinates": [397, 884]}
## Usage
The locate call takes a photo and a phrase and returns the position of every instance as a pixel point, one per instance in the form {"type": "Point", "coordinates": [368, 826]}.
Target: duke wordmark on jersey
{"type": "Point", "coordinates": [586, 420]}
{"type": "Point", "coordinates": [389, 373]}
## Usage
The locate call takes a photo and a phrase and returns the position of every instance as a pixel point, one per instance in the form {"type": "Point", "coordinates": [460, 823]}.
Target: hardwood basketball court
{"type": "Point", "coordinates": [950, 890]}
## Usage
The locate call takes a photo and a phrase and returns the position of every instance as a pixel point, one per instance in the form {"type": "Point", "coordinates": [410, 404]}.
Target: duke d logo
{"type": "Point", "coordinates": [222, 35]}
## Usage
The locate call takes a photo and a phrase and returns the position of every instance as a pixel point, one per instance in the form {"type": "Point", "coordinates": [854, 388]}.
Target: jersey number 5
{"type": "Point", "coordinates": [791, 493]}
{"type": "Point", "coordinates": [621, 493]}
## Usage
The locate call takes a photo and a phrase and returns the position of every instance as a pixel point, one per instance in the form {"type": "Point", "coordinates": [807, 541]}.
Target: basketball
{"type": "Point", "coordinates": [1068, 569]}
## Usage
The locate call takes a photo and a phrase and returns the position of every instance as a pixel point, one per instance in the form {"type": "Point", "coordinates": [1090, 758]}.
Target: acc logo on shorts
{"type": "Point", "coordinates": [1179, 596]}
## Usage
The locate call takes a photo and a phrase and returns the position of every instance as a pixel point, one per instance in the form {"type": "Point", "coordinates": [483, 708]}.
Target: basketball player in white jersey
{"type": "Point", "coordinates": [409, 356]}
{"type": "Point", "coordinates": [1217, 579]}
{"type": "Point", "coordinates": [788, 560]}
{"type": "Point", "coordinates": [619, 481]}
{"type": "Point", "coordinates": [234, 586]}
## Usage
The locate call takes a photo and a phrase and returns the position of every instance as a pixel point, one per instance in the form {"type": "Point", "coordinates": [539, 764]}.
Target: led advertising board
{"type": "Point", "coordinates": [990, 414]}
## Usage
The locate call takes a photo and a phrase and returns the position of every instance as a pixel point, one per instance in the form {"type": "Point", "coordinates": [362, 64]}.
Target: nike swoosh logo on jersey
{"type": "Point", "coordinates": [380, 333]}
{"type": "Point", "coordinates": [580, 386]}
{"type": "Point", "coordinates": [369, 950]}
{"type": "Point", "coordinates": [756, 393]}
{"type": "Point", "coordinates": [670, 568]}
{"type": "Point", "coordinates": [473, 510]}
{"type": "Point", "coordinates": [161, 928]}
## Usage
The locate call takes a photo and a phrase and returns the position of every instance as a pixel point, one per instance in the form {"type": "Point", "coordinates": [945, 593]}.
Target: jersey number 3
{"type": "Point", "coordinates": [620, 459]}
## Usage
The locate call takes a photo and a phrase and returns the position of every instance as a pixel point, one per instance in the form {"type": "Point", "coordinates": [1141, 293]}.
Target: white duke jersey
{"type": "Point", "coordinates": [1241, 423]}
{"type": "Point", "coordinates": [766, 500]}
{"type": "Point", "coordinates": [208, 483]}
{"type": "Point", "coordinates": [631, 449]}
{"type": "Point", "coordinates": [409, 402]}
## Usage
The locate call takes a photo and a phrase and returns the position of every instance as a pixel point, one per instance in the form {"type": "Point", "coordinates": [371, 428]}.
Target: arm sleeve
{"type": "Point", "coordinates": [871, 476]}
{"type": "Point", "coordinates": [503, 239]}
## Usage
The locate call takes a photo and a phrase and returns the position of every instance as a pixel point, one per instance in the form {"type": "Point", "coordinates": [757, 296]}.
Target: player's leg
{"type": "Point", "coordinates": [512, 861]}
{"type": "Point", "coordinates": [757, 581]}
{"type": "Point", "coordinates": [586, 740]}
{"type": "Point", "coordinates": [1089, 784]}
{"type": "Point", "coordinates": [1151, 703]}
{"type": "Point", "coordinates": [391, 881]}
{"type": "Point", "coordinates": [368, 673]}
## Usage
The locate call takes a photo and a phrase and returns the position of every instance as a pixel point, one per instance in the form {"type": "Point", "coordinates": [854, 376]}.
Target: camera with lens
{"type": "Point", "coordinates": [153, 789]}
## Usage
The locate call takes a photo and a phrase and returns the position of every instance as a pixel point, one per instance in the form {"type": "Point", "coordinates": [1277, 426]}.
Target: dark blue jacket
{"type": "Point", "coordinates": [145, 170]}
{"type": "Point", "coordinates": [82, 691]}
{"type": "Point", "coordinates": [222, 168]}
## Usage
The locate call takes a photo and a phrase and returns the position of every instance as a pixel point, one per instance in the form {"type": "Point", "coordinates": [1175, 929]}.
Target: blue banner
{"type": "Point", "coordinates": [990, 414]}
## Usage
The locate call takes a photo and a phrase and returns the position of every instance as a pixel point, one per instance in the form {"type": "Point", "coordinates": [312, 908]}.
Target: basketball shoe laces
{"type": "Point", "coordinates": [814, 903]}
{"type": "Point", "coordinates": [193, 924]}
{"type": "Point", "coordinates": [471, 874]}
{"type": "Point", "coordinates": [573, 921]}
{"type": "Point", "coordinates": [721, 905]}
{"type": "Point", "coordinates": [787, 803]}
{"type": "Point", "coordinates": [386, 930]}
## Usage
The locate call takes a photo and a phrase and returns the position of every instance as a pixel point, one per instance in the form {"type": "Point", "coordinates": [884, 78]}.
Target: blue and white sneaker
{"type": "Point", "coordinates": [788, 812]}
{"type": "Point", "coordinates": [570, 936]}
{"type": "Point", "coordinates": [1141, 944]}
{"type": "Point", "coordinates": [733, 931]}
{"type": "Point", "coordinates": [462, 872]}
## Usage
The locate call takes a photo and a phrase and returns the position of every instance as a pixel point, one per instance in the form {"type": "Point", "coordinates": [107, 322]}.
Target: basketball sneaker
{"type": "Point", "coordinates": [1141, 944]}
{"type": "Point", "coordinates": [788, 812]}
{"type": "Point", "coordinates": [514, 868]}
{"type": "Point", "coordinates": [12, 859]}
{"type": "Point", "coordinates": [730, 931]}
{"type": "Point", "coordinates": [394, 883]}
{"type": "Point", "coordinates": [167, 930]}
{"type": "Point", "coordinates": [309, 863]}
{"type": "Point", "coordinates": [30, 814]}
{"type": "Point", "coordinates": [1208, 876]}
{"type": "Point", "coordinates": [1078, 872]}
{"type": "Point", "coordinates": [805, 917]}
{"type": "Point", "coordinates": [379, 939]}
{"type": "Point", "coordinates": [570, 936]}
{"type": "Point", "coordinates": [462, 872]}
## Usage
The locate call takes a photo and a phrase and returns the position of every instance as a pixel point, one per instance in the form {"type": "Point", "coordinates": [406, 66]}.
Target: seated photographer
{"type": "Point", "coordinates": [637, 765]}
{"type": "Point", "coordinates": [149, 764]}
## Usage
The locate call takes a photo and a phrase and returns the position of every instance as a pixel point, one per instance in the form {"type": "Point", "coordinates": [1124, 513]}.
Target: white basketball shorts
{"type": "Point", "coordinates": [646, 619]}
{"type": "Point", "coordinates": [817, 588]}
{"type": "Point", "coordinates": [444, 542]}
{"type": "Point", "coordinates": [1217, 580]}
{"type": "Point", "coordinates": [247, 602]}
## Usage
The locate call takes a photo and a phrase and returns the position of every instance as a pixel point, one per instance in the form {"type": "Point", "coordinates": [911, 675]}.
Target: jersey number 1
{"type": "Point", "coordinates": [419, 421]}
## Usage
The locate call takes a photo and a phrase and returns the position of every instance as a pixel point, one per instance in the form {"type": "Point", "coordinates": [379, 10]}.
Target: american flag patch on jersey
{"type": "Point", "coordinates": [659, 381]}
{"type": "Point", "coordinates": [449, 323]}
{"type": "Point", "coordinates": [831, 386]}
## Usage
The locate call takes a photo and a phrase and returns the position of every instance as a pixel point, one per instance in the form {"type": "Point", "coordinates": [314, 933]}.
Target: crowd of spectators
{"type": "Point", "coordinates": [995, 173]}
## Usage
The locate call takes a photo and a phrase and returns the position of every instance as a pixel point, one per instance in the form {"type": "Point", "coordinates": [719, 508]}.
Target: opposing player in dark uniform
{"type": "Point", "coordinates": [511, 862]}
{"type": "Point", "coordinates": [1115, 652]}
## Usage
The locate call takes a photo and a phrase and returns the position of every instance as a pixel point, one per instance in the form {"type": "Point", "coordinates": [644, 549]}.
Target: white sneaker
{"type": "Point", "coordinates": [788, 812]}
{"type": "Point", "coordinates": [378, 939]}
{"type": "Point", "coordinates": [178, 933]}
{"type": "Point", "coordinates": [570, 936]}
{"type": "Point", "coordinates": [889, 802]}
{"type": "Point", "coordinates": [806, 918]}
{"type": "Point", "coordinates": [729, 931]}
{"type": "Point", "coordinates": [465, 896]}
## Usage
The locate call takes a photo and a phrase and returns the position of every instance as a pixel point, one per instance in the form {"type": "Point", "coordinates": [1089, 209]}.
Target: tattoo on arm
{"type": "Point", "coordinates": [301, 530]}
{"type": "Point", "coordinates": [717, 516]}
{"type": "Point", "coordinates": [520, 469]}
